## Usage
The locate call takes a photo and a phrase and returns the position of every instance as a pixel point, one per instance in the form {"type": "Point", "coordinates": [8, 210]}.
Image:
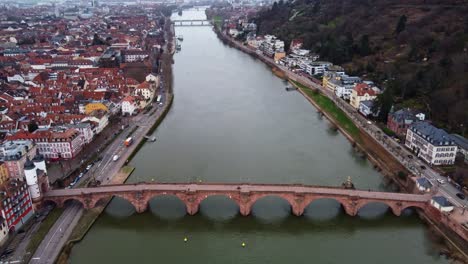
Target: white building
{"type": "Point", "coordinates": [134, 55]}
{"type": "Point", "coordinates": [432, 144]}
{"type": "Point", "coordinates": [317, 67]}
{"type": "Point", "coordinates": [32, 182]}
{"type": "Point", "coordinates": [99, 119]}
{"type": "Point", "coordinates": [129, 105]}
{"type": "Point", "coordinates": [86, 131]}
{"type": "Point", "coordinates": [146, 89]}
{"type": "Point", "coordinates": [3, 231]}
{"type": "Point", "coordinates": [63, 144]}
{"type": "Point", "coordinates": [442, 204]}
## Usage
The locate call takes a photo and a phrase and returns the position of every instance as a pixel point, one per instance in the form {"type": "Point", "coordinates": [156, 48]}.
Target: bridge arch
{"type": "Point", "coordinates": [233, 199]}
{"type": "Point", "coordinates": [288, 197]}
{"type": "Point", "coordinates": [343, 203]}
{"type": "Point", "coordinates": [96, 200]}
{"type": "Point", "coordinates": [74, 199]}
{"type": "Point", "coordinates": [51, 201]}
{"type": "Point", "coordinates": [138, 204]}
{"type": "Point", "coordinates": [395, 207]}
{"type": "Point", "coordinates": [177, 208]}
{"type": "Point", "coordinates": [420, 206]}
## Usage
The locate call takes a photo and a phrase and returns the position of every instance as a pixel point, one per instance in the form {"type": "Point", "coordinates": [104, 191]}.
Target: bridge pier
{"type": "Point", "coordinates": [350, 208]}
{"type": "Point", "coordinates": [244, 209]}
{"type": "Point", "coordinates": [297, 210]}
{"type": "Point", "coordinates": [140, 208]}
{"type": "Point", "coordinates": [192, 208]}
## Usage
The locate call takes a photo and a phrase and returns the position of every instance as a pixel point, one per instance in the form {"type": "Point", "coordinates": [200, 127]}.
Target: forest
{"type": "Point", "coordinates": [417, 50]}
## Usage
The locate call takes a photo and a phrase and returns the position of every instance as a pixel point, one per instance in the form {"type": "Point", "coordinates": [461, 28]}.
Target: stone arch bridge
{"type": "Point", "coordinates": [244, 195]}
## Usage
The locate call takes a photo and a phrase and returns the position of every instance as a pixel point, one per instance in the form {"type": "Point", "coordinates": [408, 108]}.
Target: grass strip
{"type": "Point", "coordinates": [328, 106]}
{"type": "Point", "coordinates": [43, 229]}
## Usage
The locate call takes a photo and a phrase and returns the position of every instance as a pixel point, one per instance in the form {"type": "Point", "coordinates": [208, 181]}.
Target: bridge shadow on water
{"type": "Point", "coordinates": [270, 214]}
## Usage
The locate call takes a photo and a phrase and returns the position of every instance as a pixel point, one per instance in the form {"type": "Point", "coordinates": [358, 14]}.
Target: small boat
{"type": "Point", "coordinates": [290, 88]}
{"type": "Point", "coordinates": [180, 38]}
{"type": "Point", "coordinates": [150, 139]}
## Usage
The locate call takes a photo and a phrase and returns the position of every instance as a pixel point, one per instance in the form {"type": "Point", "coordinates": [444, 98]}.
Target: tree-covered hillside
{"type": "Point", "coordinates": [417, 49]}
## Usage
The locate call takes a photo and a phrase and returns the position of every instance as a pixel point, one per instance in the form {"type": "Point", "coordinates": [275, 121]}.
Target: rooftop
{"type": "Point", "coordinates": [442, 201]}
{"type": "Point", "coordinates": [434, 135]}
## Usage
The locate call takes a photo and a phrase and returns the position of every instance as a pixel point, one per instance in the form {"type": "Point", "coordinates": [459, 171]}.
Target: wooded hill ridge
{"type": "Point", "coordinates": [416, 49]}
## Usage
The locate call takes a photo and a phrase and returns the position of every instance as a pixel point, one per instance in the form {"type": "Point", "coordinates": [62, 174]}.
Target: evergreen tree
{"type": "Point", "coordinates": [364, 47]}
{"type": "Point", "coordinates": [401, 24]}
{"type": "Point", "coordinates": [384, 101]}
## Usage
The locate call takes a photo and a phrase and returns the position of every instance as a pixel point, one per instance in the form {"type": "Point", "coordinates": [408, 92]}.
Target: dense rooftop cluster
{"type": "Point", "coordinates": [64, 65]}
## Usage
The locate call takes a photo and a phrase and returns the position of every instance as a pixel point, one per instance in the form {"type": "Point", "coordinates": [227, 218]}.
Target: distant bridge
{"type": "Point", "coordinates": [191, 22]}
{"type": "Point", "coordinates": [244, 195]}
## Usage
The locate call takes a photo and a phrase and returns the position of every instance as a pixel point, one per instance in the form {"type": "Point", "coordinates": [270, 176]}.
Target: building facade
{"type": "Point", "coordinates": [431, 144]}
{"type": "Point", "coordinates": [3, 173]}
{"type": "Point", "coordinates": [15, 204]}
{"type": "Point", "coordinates": [134, 55]}
{"type": "Point", "coordinates": [54, 144]}
{"type": "Point", "coordinates": [362, 92]}
{"type": "Point", "coordinates": [129, 106]}
{"type": "Point", "coordinates": [399, 121]}
{"type": "Point", "coordinates": [14, 153]}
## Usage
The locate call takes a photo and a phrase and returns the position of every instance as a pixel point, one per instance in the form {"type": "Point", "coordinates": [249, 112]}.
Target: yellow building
{"type": "Point", "coordinates": [325, 79]}
{"type": "Point", "coordinates": [95, 107]}
{"type": "Point", "coordinates": [3, 173]}
{"type": "Point", "coordinates": [279, 55]}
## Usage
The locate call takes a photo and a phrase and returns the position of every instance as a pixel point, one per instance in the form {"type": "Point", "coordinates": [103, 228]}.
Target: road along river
{"type": "Point", "coordinates": [233, 121]}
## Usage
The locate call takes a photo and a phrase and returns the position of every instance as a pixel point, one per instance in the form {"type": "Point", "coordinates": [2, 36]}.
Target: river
{"type": "Point", "coordinates": [233, 121]}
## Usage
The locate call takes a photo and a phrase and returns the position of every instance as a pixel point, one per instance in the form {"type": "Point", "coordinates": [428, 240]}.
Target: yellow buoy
{"type": "Point", "coordinates": [243, 244]}
{"type": "Point", "coordinates": [185, 239]}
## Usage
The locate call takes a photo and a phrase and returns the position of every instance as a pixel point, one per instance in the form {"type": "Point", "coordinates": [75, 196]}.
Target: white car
{"type": "Point", "coordinates": [440, 181]}
{"type": "Point", "coordinates": [115, 158]}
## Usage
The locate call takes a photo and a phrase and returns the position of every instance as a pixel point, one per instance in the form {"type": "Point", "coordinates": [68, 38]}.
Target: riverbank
{"type": "Point", "coordinates": [379, 155]}
{"type": "Point", "coordinates": [90, 216]}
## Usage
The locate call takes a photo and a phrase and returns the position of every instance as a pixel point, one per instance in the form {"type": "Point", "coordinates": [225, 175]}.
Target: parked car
{"type": "Point", "coordinates": [440, 181]}
{"type": "Point", "coordinates": [423, 167]}
{"type": "Point", "coordinates": [410, 156]}
{"type": "Point", "coordinates": [115, 158]}
{"type": "Point", "coordinates": [460, 195]}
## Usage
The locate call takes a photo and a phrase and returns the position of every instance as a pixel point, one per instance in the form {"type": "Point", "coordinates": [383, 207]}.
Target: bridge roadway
{"type": "Point", "coordinates": [245, 195]}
